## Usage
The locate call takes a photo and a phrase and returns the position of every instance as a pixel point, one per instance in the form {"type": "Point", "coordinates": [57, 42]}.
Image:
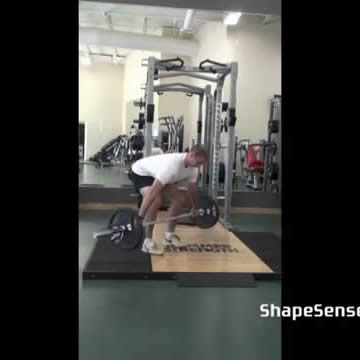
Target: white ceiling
{"type": "Point", "coordinates": [135, 18]}
{"type": "Point", "coordinates": [245, 6]}
{"type": "Point", "coordinates": [148, 20]}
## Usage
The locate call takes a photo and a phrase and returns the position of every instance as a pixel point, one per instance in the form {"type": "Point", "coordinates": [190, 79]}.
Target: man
{"type": "Point", "coordinates": [160, 176]}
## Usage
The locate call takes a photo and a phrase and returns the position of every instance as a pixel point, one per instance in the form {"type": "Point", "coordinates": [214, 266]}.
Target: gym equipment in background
{"type": "Point", "coordinates": [111, 153]}
{"type": "Point", "coordinates": [272, 171]}
{"type": "Point", "coordinates": [255, 165]}
{"type": "Point", "coordinates": [173, 136]}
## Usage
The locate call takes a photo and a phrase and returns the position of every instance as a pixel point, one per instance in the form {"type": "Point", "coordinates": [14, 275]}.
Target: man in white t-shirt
{"type": "Point", "coordinates": [159, 176]}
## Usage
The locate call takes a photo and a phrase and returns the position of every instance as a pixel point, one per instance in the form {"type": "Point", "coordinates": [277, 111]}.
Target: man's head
{"type": "Point", "coordinates": [197, 156]}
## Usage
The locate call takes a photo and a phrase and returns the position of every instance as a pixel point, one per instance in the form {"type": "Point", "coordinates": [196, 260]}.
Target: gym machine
{"type": "Point", "coordinates": [135, 146]}
{"type": "Point", "coordinates": [140, 121]}
{"type": "Point", "coordinates": [260, 163]}
{"type": "Point", "coordinates": [110, 154]}
{"type": "Point", "coordinates": [174, 134]}
{"type": "Point", "coordinates": [255, 164]}
{"type": "Point", "coordinates": [158, 69]}
{"type": "Point", "coordinates": [223, 144]}
{"type": "Point", "coordinates": [272, 170]}
{"type": "Point", "coordinates": [241, 166]}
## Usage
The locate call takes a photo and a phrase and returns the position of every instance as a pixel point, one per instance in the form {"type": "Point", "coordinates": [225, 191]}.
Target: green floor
{"type": "Point", "coordinates": [130, 320]}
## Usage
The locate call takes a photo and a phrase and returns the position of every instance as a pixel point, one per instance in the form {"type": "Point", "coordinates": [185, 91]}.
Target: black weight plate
{"type": "Point", "coordinates": [132, 238]}
{"type": "Point", "coordinates": [121, 216]}
{"type": "Point", "coordinates": [133, 233]}
{"type": "Point", "coordinates": [211, 212]}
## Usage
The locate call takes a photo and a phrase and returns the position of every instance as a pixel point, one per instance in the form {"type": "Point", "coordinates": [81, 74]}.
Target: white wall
{"type": "Point", "coordinates": [100, 104]}
{"type": "Point", "coordinates": [257, 50]}
{"type": "Point", "coordinates": [134, 78]}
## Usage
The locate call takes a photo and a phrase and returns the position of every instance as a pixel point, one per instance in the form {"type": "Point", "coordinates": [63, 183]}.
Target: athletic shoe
{"type": "Point", "coordinates": [172, 239]}
{"type": "Point", "coordinates": [150, 247]}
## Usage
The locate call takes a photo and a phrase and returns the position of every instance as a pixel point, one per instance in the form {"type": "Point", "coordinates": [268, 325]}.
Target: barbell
{"type": "Point", "coordinates": [126, 229]}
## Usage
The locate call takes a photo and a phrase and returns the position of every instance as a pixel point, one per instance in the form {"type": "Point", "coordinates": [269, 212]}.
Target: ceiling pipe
{"type": "Point", "coordinates": [128, 40]}
{"type": "Point", "coordinates": [188, 22]}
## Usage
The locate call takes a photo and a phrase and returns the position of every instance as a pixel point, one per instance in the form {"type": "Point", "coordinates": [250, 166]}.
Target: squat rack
{"type": "Point", "coordinates": [160, 69]}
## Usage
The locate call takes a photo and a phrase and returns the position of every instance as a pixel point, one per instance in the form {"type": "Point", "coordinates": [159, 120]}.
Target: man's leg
{"type": "Point", "coordinates": [151, 215]}
{"type": "Point", "coordinates": [178, 202]}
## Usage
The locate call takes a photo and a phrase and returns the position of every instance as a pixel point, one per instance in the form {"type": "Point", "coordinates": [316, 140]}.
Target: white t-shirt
{"type": "Point", "coordinates": [167, 168]}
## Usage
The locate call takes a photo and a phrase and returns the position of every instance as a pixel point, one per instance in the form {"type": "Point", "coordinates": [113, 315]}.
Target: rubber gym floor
{"type": "Point", "coordinates": [139, 319]}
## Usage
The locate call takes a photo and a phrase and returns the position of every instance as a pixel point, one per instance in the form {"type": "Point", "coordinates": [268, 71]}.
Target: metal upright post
{"type": "Point", "coordinates": [212, 141]}
{"type": "Point", "coordinates": [199, 124]}
{"type": "Point", "coordinates": [231, 144]}
{"type": "Point", "coordinates": [149, 112]}
{"type": "Point", "coordinates": [216, 142]}
{"type": "Point", "coordinates": [207, 135]}
{"type": "Point", "coordinates": [278, 116]}
{"type": "Point", "coordinates": [268, 152]}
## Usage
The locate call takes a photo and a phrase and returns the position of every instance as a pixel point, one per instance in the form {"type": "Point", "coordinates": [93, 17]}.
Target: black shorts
{"type": "Point", "coordinates": [140, 181]}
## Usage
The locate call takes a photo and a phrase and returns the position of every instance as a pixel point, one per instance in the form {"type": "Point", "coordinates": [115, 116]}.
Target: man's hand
{"type": "Point", "coordinates": [140, 219]}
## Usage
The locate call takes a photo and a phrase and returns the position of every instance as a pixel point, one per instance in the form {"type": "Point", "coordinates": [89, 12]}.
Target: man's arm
{"type": "Point", "coordinates": [193, 194]}
{"type": "Point", "coordinates": [150, 196]}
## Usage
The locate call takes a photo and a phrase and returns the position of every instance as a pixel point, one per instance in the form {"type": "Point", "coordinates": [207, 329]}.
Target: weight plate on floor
{"type": "Point", "coordinates": [210, 212]}
{"type": "Point", "coordinates": [128, 230]}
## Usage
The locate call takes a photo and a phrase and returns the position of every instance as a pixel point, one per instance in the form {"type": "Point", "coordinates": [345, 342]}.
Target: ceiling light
{"type": "Point", "coordinates": [232, 18]}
